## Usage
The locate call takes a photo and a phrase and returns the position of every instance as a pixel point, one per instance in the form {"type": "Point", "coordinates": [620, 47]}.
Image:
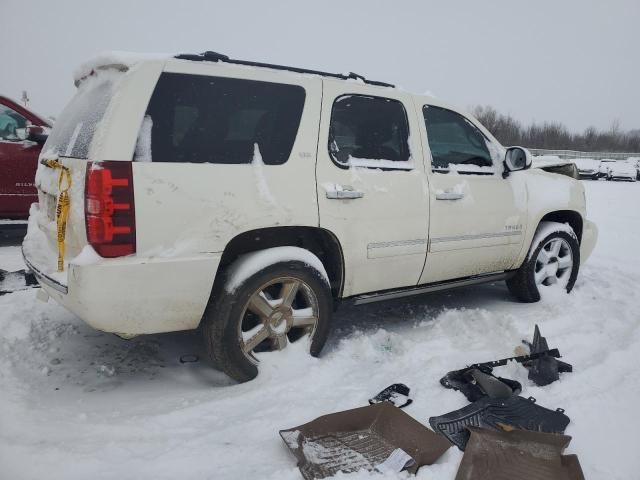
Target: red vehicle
{"type": "Point", "coordinates": [22, 134]}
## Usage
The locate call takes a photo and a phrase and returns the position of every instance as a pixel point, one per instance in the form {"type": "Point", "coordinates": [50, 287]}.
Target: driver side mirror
{"type": "Point", "coordinates": [516, 158]}
{"type": "Point", "coordinates": [37, 134]}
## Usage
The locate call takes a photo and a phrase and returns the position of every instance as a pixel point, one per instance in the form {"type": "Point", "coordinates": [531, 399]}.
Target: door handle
{"type": "Point", "coordinates": [345, 192]}
{"type": "Point", "coordinates": [449, 196]}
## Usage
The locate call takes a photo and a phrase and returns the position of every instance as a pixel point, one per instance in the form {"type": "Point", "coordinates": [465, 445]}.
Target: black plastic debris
{"type": "Point", "coordinates": [517, 454]}
{"type": "Point", "coordinates": [397, 394]}
{"type": "Point", "coordinates": [478, 381]}
{"type": "Point", "coordinates": [378, 437]}
{"type": "Point", "coordinates": [546, 369]}
{"type": "Point", "coordinates": [189, 358]}
{"type": "Point", "coordinates": [513, 412]}
{"type": "Point", "coordinates": [15, 281]}
{"type": "Point", "coordinates": [553, 352]}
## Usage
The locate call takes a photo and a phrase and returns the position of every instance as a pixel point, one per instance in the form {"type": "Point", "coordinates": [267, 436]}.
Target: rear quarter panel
{"type": "Point", "coordinates": [189, 208]}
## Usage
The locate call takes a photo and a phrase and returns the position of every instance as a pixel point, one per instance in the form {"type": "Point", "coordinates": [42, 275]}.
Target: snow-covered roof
{"type": "Point", "coordinates": [118, 60]}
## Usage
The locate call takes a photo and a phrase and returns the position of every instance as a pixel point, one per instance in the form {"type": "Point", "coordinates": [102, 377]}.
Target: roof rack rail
{"type": "Point", "coordinates": [210, 56]}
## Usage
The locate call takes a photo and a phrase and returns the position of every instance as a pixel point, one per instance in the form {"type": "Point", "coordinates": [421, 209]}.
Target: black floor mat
{"type": "Point", "coordinates": [514, 412]}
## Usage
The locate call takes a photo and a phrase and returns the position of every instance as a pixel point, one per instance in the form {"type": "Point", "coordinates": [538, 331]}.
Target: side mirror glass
{"type": "Point", "coordinates": [517, 158]}
{"type": "Point", "coordinates": [37, 134]}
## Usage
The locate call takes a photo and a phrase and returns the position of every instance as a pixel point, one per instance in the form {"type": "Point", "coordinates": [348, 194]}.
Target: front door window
{"type": "Point", "coordinates": [454, 141]}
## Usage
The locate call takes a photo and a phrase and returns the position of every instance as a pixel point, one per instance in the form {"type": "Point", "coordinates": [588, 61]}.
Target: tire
{"type": "Point", "coordinates": [235, 320]}
{"type": "Point", "coordinates": [532, 274]}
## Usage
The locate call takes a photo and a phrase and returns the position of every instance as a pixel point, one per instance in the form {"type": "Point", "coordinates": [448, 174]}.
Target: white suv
{"type": "Point", "coordinates": [250, 199]}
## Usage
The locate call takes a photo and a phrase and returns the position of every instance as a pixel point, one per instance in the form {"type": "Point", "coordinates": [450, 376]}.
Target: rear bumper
{"type": "Point", "coordinates": [133, 296]}
{"type": "Point", "coordinates": [589, 239]}
{"type": "Point", "coordinates": [44, 279]}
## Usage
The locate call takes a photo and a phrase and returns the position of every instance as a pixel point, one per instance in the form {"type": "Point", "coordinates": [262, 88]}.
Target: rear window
{"type": "Point", "coordinates": [204, 119]}
{"type": "Point", "coordinates": [73, 131]}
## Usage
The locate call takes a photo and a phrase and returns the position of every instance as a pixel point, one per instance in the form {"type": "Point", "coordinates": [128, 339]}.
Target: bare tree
{"type": "Point", "coordinates": [555, 135]}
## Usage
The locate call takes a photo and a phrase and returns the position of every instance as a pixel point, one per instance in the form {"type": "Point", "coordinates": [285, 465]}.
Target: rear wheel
{"type": "Point", "coordinates": [284, 303]}
{"type": "Point", "coordinates": [553, 260]}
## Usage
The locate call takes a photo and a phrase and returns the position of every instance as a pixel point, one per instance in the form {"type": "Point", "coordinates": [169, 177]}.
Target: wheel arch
{"type": "Point", "coordinates": [573, 218]}
{"type": "Point", "coordinates": [321, 242]}
{"type": "Point", "coordinates": [523, 284]}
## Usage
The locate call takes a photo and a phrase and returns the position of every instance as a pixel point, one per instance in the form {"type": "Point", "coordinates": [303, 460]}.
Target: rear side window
{"type": "Point", "coordinates": [203, 119]}
{"type": "Point", "coordinates": [454, 140]}
{"type": "Point", "coordinates": [73, 131]}
{"type": "Point", "coordinates": [365, 130]}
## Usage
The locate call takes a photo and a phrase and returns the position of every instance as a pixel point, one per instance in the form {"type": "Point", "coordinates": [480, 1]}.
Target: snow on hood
{"type": "Point", "coordinates": [542, 161]}
{"type": "Point", "coordinates": [116, 59]}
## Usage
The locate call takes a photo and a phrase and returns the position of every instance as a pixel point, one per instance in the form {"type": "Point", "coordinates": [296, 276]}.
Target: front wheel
{"type": "Point", "coordinates": [553, 260]}
{"type": "Point", "coordinates": [286, 302]}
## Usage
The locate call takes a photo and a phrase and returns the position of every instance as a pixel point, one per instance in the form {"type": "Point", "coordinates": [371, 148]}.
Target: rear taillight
{"type": "Point", "coordinates": [109, 208]}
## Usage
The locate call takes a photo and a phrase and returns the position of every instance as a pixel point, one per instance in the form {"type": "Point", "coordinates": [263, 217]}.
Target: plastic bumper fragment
{"type": "Point", "coordinates": [493, 413]}
{"type": "Point", "coordinates": [478, 382]}
{"type": "Point", "coordinates": [545, 370]}
{"type": "Point", "coordinates": [397, 394]}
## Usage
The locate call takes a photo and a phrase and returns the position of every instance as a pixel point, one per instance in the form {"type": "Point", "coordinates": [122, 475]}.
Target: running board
{"type": "Point", "coordinates": [430, 287]}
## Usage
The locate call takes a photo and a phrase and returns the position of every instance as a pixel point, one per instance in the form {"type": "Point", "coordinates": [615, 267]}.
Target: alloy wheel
{"type": "Point", "coordinates": [554, 263]}
{"type": "Point", "coordinates": [282, 311]}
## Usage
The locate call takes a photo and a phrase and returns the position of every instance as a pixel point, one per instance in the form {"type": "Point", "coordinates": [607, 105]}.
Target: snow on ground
{"type": "Point", "coordinates": [10, 260]}
{"type": "Point", "coordinates": [77, 403]}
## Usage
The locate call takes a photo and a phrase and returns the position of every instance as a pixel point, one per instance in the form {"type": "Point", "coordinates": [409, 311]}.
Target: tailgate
{"type": "Point", "coordinates": [70, 144]}
{"type": "Point", "coordinates": [40, 246]}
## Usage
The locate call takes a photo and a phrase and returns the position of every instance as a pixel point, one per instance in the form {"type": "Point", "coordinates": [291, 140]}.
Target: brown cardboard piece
{"type": "Point", "coordinates": [517, 454]}
{"type": "Point", "coordinates": [362, 438]}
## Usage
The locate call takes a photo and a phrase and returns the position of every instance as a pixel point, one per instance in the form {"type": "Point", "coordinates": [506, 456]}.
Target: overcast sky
{"type": "Point", "coordinates": [574, 61]}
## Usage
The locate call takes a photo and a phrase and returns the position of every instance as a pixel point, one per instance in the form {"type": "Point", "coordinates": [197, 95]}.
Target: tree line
{"type": "Point", "coordinates": [555, 135]}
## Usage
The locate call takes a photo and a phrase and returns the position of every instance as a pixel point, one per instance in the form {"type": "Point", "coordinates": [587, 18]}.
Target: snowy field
{"type": "Point", "coordinates": [76, 403]}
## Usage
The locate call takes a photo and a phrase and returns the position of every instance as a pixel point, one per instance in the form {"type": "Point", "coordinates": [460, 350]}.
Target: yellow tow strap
{"type": "Point", "coordinates": [62, 206]}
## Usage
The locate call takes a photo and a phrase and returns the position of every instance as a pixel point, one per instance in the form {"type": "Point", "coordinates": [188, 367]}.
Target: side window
{"type": "Point", "coordinates": [10, 123]}
{"type": "Point", "coordinates": [368, 131]}
{"type": "Point", "coordinates": [454, 140]}
{"type": "Point", "coordinates": [203, 119]}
